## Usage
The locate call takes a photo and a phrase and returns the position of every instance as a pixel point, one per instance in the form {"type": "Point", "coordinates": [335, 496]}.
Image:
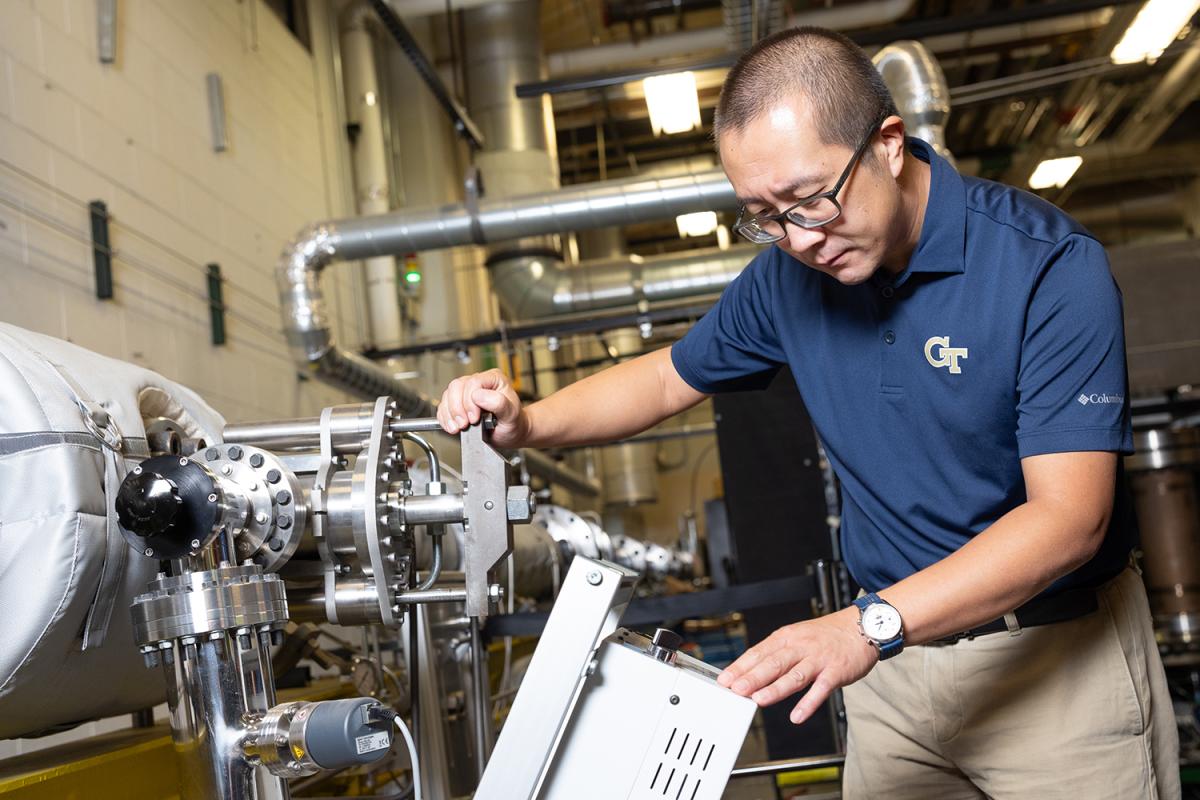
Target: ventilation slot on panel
{"type": "Point", "coordinates": [683, 756]}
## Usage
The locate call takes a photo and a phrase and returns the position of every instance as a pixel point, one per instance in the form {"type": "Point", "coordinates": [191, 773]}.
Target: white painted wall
{"type": "Point", "coordinates": [136, 135]}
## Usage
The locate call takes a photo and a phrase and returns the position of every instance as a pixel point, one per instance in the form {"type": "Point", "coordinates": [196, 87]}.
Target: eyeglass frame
{"type": "Point", "coordinates": [783, 217]}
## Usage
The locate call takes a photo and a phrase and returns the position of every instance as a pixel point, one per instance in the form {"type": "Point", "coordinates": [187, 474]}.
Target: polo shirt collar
{"type": "Point", "coordinates": [942, 246]}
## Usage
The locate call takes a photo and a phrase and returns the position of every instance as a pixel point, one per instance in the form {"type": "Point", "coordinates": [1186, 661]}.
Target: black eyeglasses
{"type": "Point", "coordinates": [811, 212]}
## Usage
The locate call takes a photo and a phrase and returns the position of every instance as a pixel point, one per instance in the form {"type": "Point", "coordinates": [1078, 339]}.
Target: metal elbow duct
{"type": "Point", "coordinates": [919, 88]}
{"type": "Point", "coordinates": [306, 325]}
{"type": "Point", "coordinates": [531, 286]}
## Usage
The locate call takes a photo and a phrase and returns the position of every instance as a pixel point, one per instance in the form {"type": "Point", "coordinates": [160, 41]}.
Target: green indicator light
{"type": "Point", "coordinates": [412, 277]}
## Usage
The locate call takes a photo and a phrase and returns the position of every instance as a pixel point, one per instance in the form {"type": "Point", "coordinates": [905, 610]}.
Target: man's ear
{"type": "Point", "coordinates": [891, 134]}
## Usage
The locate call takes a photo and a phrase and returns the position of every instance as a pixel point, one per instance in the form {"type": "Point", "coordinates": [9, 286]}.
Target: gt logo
{"type": "Point", "coordinates": [947, 356]}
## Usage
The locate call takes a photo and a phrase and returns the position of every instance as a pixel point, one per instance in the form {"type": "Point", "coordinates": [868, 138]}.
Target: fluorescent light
{"type": "Point", "coordinates": [672, 102]}
{"type": "Point", "coordinates": [702, 223]}
{"type": "Point", "coordinates": [1154, 28]}
{"type": "Point", "coordinates": [1054, 172]}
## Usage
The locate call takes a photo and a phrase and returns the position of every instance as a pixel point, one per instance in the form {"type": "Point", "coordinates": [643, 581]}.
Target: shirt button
{"type": "Point", "coordinates": [887, 292]}
{"type": "Point", "coordinates": [889, 337]}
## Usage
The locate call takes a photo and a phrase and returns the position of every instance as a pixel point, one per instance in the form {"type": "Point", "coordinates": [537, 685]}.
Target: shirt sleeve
{"type": "Point", "coordinates": [1072, 385]}
{"type": "Point", "coordinates": [735, 346]}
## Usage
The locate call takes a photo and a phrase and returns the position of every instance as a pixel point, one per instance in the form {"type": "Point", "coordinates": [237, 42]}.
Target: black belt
{"type": "Point", "coordinates": [1062, 607]}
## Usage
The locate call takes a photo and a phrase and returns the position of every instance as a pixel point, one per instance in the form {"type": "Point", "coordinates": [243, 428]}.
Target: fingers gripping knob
{"type": "Point", "coordinates": [665, 645]}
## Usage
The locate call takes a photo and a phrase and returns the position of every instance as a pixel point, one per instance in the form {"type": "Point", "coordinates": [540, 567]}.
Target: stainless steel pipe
{"type": "Point", "coordinates": [305, 434]}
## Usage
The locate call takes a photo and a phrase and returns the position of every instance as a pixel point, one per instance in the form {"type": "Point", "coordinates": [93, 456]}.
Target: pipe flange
{"type": "Point", "coordinates": [214, 601]}
{"type": "Point", "coordinates": [276, 507]}
{"type": "Point", "coordinates": [276, 740]}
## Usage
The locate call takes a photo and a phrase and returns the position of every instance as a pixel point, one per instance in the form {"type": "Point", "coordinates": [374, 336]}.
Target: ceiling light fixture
{"type": "Point", "coordinates": [701, 223]}
{"type": "Point", "coordinates": [1054, 172]}
{"type": "Point", "coordinates": [1154, 28]}
{"type": "Point", "coordinates": [672, 102]}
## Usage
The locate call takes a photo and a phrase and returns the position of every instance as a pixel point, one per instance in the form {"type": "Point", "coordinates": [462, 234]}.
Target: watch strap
{"type": "Point", "coordinates": [893, 646]}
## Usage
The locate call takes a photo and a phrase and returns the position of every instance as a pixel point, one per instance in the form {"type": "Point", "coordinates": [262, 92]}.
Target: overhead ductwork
{"type": "Point", "coordinates": [307, 326]}
{"type": "Point", "coordinates": [603, 204]}
{"type": "Point", "coordinates": [918, 87]}
{"type": "Point", "coordinates": [841, 17]}
{"type": "Point", "coordinates": [533, 286]}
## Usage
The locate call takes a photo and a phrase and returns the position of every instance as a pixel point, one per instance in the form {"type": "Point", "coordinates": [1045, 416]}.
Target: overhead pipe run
{"type": "Point", "coordinates": [625, 201]}
{"type": "Point", "coordinates": [534, 286]}
{"type": "Point", "coordinates": [919, 89]}
{"type": "Point", "coordinates": [306, 324]}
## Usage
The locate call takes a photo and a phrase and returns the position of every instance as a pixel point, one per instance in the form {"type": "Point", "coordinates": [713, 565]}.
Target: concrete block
{"type": "Point", "coordinates": [106, 149]}
{"type": "Point", "coordinates": [61, 120]}
{"type": "Point", "coordinates": [72, 66]}
{"type": "Point", "coordinates": [149, 339]}
{"type": "Point", "coordinates": [125, 105]}
{"type": "Point", "coordinates": [27, 90]}
{"type": "Point", "coordinates": [141, 65]}
{"type": "Point", "coordinates": [53, 12]}
{"type": "Point", "coordinates": [5, 90]}
{"type": "Point", "coordinates": [20, 147]}
{"type": "Point", "coordinates": [81, 22]}
{"type": "Point", "coordinates": [30, 299]}
{"type": "Point", "coordinates": [158, 182]}
{"type": "Point", "coordinates": [92, 323]}
{"type": "Point", "coordinates": [20, 35]}
{"type": "Point", "coordinates": [79, 181]}
{"type": "Point", "coordinates": [200, 208]}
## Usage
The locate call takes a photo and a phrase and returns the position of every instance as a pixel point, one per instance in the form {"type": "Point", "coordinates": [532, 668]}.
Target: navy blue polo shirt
{"type": "Point", "coordinates": [1002, 339]}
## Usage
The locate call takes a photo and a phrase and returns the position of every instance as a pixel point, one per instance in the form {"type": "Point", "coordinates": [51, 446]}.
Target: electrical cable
{"type": "Point", "coordinates": [412, 755]}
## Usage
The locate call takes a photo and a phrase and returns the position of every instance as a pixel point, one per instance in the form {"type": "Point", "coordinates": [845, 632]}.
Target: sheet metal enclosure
{"type": "Point", "coordinates": [647, 729]}
{"type": "Point", "coordinates": [598, 716]}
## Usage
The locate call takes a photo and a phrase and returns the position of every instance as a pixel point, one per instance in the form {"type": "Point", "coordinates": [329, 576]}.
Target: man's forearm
{"type": "Point", "coordinates": [995, 572]}
{"type": "Point", "coordinates": [612, 404]}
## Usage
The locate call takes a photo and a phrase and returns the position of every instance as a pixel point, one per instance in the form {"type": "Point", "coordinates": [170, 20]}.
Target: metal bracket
{"type": "Point", "coordinates": [488, 534]}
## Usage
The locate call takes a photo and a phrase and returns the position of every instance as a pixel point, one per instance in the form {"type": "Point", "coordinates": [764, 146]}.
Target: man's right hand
{"type": "Point", "coordinates": [466, 399]}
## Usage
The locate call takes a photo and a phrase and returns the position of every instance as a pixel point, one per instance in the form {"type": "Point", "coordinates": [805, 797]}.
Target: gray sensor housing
{"type": "Point", "coordinates": [342, 733]}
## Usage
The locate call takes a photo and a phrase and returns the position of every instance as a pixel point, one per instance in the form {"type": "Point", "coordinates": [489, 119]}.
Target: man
{"type": "Point", "coordinates": [946, 334]}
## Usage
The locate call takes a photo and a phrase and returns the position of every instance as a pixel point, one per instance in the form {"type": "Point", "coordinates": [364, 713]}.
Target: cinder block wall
{"type": "Point", "coordinates": [136, 135]}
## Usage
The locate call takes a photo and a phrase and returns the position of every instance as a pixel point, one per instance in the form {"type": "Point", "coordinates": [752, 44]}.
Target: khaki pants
{"type": "Point", "coordinates": [1075, 709]}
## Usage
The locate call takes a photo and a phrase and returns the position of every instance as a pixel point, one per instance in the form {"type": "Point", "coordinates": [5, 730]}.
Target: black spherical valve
{"type": "Point", "coordinates": [148, 504]}
{"type": "Point", "coordinates": [168, 507]}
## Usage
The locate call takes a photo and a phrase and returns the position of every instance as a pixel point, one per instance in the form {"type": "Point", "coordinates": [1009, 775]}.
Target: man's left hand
{"type": "Point", "coordinates": [823, 654]}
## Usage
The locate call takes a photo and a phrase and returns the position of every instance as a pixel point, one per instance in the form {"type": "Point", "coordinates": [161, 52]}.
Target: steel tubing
{"type": "Point", "coordinates": [787, 765]}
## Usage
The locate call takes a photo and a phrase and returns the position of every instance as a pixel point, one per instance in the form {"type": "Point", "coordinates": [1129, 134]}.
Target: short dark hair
{"type": "Point", "coordinates": [832, 73]}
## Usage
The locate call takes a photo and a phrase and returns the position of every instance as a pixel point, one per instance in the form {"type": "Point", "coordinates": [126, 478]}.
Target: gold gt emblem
{"type": "Point", "coordinates": [947, 356]}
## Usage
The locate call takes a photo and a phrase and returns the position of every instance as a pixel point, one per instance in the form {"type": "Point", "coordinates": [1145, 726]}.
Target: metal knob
{"type": "Point", "coordinates": [665, 645]}
{"type": "Point", "coordinates": [148, 504]}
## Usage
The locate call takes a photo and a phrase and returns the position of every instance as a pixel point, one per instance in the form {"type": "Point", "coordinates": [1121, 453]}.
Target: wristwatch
{"type": "Point", "coordinates": [880, 623]}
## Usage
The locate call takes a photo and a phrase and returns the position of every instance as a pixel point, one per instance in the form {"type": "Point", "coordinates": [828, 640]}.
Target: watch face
{"type": "Point", "coordinates": [881, 622]}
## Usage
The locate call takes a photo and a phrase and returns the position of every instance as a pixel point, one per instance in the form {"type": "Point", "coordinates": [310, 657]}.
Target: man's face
{"type": "Point", "coordinates": [778, 159]}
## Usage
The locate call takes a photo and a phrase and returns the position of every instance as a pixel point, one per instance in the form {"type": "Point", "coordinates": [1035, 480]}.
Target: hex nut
{"type": "Point", "coordinates": [520, 502]}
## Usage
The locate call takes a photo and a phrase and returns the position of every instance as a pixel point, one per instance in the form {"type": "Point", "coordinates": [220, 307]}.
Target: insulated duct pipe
{"type": "Point", "coordinates": [918, 86]}
{"type": "Point", "coordinates": [307, 326]}
{"type": "Point", "coordinates": [533, 286]}
{"type": "Point", "coordinates": [625, 201]}
{"type": "Point", "coordinates": [364, 107]}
